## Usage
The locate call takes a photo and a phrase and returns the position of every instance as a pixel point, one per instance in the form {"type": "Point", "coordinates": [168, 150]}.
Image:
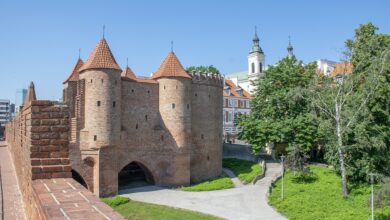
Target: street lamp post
{"type": "Point", "coordinates": [372, 194]}
{"type": "Point", "coordinates": [282, 157]}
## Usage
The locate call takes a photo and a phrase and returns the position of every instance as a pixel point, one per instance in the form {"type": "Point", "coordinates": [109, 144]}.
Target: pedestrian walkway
{"type": "Point", "coordinates": [237, 182]}
{"type": "Point", "coordinates": [247, 202]}
{"type": "Point", "coordinates": [12, 198]}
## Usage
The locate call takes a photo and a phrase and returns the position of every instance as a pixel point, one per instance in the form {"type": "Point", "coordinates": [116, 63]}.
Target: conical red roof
{"type": "Point", "coordinates": [171, 67]}
{"type": "Point", "coordinates": [74, 75]}
{"type": "Point", "coordinates": [128, 73]}
{"type": "Point", "coordinates": [101, 58]}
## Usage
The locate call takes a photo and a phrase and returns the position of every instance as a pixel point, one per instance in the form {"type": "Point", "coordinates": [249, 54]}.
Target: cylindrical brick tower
{"type": "Point", "coordinates": [206, 152]}
{"type": "Point", "coordinates": [175, 110]}
{"type": "Point", "coordinates": [102, 114]}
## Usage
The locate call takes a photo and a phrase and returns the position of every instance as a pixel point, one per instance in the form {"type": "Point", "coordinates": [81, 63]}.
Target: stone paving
{"type": "Point", "coordinates": [237, 182]}
{"type": "Point", "coordinates": [12, 198]}
{"type": "Point", "coordinates": [247, 202]}
{"type": "Point", "coordinates": [64, 198]}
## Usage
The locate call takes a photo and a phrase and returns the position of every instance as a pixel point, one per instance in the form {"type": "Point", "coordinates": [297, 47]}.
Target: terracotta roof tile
{"type": "Point", "coordinates": [171, 67]}
{"type": "Point", "coordinates": [234, 88]}
{"type": "Point", "coordinates": [342, 68]}
{"type": "Point", "coordinates": [74, 75]}
{"type": "Point", "coordinates": [101, 58]}
{"type": "Point", "coordinates": [128, 73]}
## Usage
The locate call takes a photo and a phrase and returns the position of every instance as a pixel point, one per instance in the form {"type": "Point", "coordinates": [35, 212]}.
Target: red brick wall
{"type": "Point", "coordinates": [38, 141]}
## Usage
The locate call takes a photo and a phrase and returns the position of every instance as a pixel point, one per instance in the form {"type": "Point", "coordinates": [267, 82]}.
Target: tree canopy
{"type": "Point", "coordinates": [203, 69]}
{"type": "Point", "coordinates": [280, 112]}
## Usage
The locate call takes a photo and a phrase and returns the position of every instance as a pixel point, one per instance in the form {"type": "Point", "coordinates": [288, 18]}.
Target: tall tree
{"type": "Point", "coordinates": [279, 111]}
{"type": "Point", "coordinates": [345, 103]}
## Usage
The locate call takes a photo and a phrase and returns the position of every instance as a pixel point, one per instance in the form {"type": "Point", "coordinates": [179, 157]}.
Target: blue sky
{"type": "Point", "coordinates": [39, 40]}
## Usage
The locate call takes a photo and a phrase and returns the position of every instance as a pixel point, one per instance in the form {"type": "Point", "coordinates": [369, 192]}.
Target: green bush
{"type": "Point", "coordinates": [245, 170]}
{"type": "Point", "coordinates": [116, 201]}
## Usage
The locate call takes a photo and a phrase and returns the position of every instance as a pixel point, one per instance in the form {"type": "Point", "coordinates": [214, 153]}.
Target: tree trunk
{"type": "Point", "coordinates": [341, 153]}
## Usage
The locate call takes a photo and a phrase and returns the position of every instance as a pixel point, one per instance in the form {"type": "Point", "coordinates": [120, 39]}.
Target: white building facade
{"type": "Point", "coordinates": [5, 111]}
{"type": "Point", "coordinates": [236, 102]}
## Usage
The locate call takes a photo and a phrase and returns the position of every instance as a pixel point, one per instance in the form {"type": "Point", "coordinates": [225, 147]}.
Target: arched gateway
{"type": "Point", "coordinates": [134, 174]}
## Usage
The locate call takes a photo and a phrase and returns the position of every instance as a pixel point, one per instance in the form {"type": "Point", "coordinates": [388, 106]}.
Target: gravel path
{"type": "Point", "coordinates": [246, 202]}
{"type": "Point", "coordinates": [13, 205]}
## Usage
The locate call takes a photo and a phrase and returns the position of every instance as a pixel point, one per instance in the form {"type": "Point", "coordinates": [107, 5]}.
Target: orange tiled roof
{"type": "Point", "coordinates": [74, 75]}
{"type": "Point", "coordinates": [342, 68]}
{"type": "Point", "coordinates": [128, 73]}
{"type": "Point", "coordinates": [234, 88]}
{"type": "Point", "coordinates": [101, 58]}
{"type": "Point", "coordinates": [171, 67]}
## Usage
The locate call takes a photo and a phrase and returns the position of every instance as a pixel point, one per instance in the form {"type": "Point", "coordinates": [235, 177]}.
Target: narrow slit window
{"type": "Point", "coordinates": [162, 137]}
{"type": "Point", "coordinates": [113, 104]}
{"type": "Point", "coordinates": [188, 106]}
{"type": "Point", "coordinates": [173, 105]}
{"type": "Point", "coordinates": [98, 103]}
{"type": "Point", "coordinates": [146, 117]}
{"type": "Point", "coordinates": [102, 80]}
{"type": "Point", "coordinates": [132, 90]}
{"type": "Point", "coordinates": [94, 137]}
{"type": "Point", "coordinates": [136, 126]}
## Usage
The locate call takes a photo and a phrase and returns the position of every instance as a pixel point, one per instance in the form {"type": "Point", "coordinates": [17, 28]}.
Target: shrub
{"type": "Point", "coordinates": [116, 201]}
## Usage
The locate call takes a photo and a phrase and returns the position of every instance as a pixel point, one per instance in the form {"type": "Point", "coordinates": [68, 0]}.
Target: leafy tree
{"type": "Point", "coordinates": [280, 113]}
{"type": "Point", "coordinates": [203, 69]}
{"type": "Point", "coordinates": [359, 136]}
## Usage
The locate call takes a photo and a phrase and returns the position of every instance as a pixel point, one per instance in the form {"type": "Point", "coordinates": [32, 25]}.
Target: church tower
{"type": "Point", "coordinates": [256, 58]}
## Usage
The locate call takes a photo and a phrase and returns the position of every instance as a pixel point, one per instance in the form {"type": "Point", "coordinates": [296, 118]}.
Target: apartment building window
{"type": "Point", "coordinates": [230, 117]}
{"type": "Point", "coordinates": [230, 103]}
{"type": "Point", "coordinates": [226, 116]}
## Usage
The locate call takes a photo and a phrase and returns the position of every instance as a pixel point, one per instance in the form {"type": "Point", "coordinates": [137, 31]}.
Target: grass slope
{"type": "Point", "coordinates": [322, 198]}
{"type": "Point", "coordinates": [140, 211]}
{"type": "Point", "coordinates": [222, 182]}
{"type": "Point", "coordinates": [245, 170]}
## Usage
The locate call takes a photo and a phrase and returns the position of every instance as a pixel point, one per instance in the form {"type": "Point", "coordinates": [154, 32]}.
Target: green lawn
{"type": "Point", "coordinates": [140, 211]}
{"type": "Point", "coordinates": [245, 170]}
{"type": "Point", "coordinates": [222, 182]}
{"type": "Point", "coordinates": [321, 198]}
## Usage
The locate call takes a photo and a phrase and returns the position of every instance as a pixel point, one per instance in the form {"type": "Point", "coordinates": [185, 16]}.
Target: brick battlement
{"type": "Point", "coordinates": [207, 79]}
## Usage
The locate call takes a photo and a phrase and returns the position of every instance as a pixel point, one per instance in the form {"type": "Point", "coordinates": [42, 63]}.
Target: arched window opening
{"type": "Point", "coordinates": [253, 67]}
{"type": "Point", "coordinates": [261, 67]}
{"type": "Point", "coordinates": [134, 175]}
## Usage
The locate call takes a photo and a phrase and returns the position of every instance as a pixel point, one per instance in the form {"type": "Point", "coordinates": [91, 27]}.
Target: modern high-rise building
{"type": "Point", "coordinates": [20, 95]}
{"type": "Point", "coordinates": [5, 113]}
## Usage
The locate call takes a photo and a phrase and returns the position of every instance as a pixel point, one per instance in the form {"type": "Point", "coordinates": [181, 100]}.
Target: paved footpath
{"type": "Point", "coordinates": [246, 202]}
{"type": "Point", "coordinates": [13, 205]}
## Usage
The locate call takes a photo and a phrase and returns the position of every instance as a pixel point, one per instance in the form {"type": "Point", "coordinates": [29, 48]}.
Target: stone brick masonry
{"type": "Point", "coordinates": [38, 141]}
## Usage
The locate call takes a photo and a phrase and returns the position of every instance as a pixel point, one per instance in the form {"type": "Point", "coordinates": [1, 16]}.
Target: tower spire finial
{"type": "Point", "coordinates": [255, 29]}
{"type": "Point", "coordinates": [290, 48]}
{"type": "Point", "coordinates": [104, 29]}
{"type": "Point", "coordinates": [127, 62]}
{"type": "Point", "coordinates": [79, 53]}
{"type": "Point", "coordinates": [171, 45]}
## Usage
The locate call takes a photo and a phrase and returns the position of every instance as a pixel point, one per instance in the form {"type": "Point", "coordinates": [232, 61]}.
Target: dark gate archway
{"type": "Point", "coordinates": [134, 174]}
{"type": "Point", "coordinates": [76, 176]}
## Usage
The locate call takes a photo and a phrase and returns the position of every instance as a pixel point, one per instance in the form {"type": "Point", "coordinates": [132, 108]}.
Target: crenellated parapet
{"type": "Point", "coordinates": [207, 79]}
